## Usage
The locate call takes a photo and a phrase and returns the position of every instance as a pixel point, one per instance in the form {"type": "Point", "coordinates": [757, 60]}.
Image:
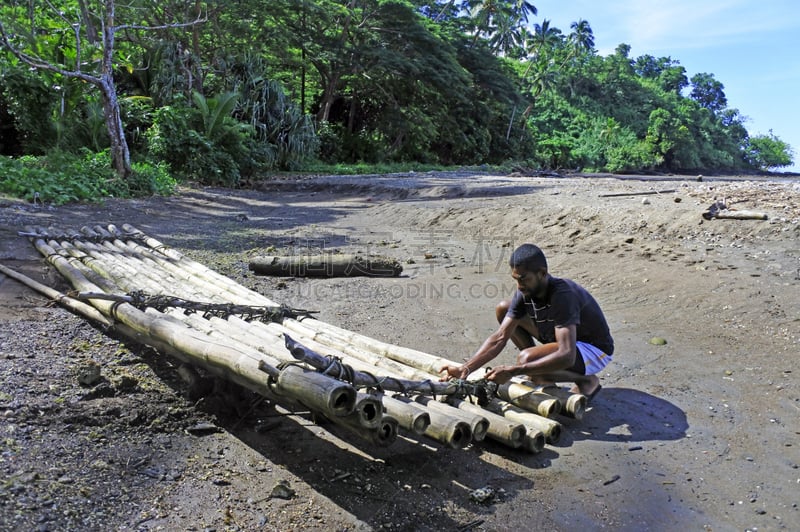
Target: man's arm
{"type": "Point", "coordinates": [561, 358]}
{"type": "Point", "coordinates": [490, 349]}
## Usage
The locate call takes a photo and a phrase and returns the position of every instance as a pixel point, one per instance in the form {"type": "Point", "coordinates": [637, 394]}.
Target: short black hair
{"type": "Point", "coordinates": [528, 257]}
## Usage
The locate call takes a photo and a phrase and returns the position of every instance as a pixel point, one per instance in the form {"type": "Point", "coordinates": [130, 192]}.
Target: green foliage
{"type": "Point", "coordinates": [29, 98]}
{"type": "Point", "coordinates": [388, 81]}
{"type": "Point", "coordinates": [190, 156]}
{"type": "Point", "coordinates": [61, 177]}
{"type": "Point", "coordinates": [149, 178]}
{"type": "Point", "coordinates": [319, 167]}
{"type": "Point", "coordinates": [58, 177]}
{"type": "Point", "coordinates": [769, 152]}
{"type": "Point", "coordinates": [285, 134]}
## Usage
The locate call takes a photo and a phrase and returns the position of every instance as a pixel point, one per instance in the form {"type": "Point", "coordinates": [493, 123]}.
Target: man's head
{"type": "Point", "coordinates": [529, 270]}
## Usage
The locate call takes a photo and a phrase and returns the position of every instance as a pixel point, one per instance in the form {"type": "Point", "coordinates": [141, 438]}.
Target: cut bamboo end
{"type": "Point", "coordinates": [534, 440]}
{"type": "Point", "coordinates": [386, 432]}
{"type": "Point", "coordinates": [500, 429]}
{"type": "Point", "coordinates": [368, 410]}
{"type": "Point", "coordinates": [551, 429]}
{"type": "Point", "coordinates": [331, 397]}
{"type": "Point", "coordinates": [454, 434]}
{"type": "Point", "coordinates": [383, 435]}
{"type": "Point", "coordinates": [530, 399]}
{"type": "Point", "coordinates": [574, 404]}
{"type": "Point", "coordinates": [411, 416]}
{"type": "Point", "coordinates": [478, 424]}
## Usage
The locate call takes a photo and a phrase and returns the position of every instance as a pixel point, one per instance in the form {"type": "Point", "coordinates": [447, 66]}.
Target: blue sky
{"type": "Point", "coordinates": [751, 47]}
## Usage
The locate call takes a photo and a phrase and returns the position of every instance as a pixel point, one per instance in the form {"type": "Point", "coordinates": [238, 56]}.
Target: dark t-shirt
{"type": "Point", "coordinates": [566, 303]}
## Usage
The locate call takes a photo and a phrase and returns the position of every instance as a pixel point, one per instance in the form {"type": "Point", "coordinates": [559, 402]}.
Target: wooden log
{"type": "Point", "coordinates": [76, 306]}
{"type": "Point", "coordinates": [645, 193]}
{"type": "Point", "coordinates": [411, 416]}
{"type": "Point", "coordinates": [326, 265]}
{"type": "Point", "coordinates": [478, 424]}
{"type": "Point", "coordinates": [529, 399]}
{"type": "Point", "coordinates": [728, 214]}
{"type": "Point", "coordinates": [551, 429]}
{"type": "Point", "coordinates": [500, 429]}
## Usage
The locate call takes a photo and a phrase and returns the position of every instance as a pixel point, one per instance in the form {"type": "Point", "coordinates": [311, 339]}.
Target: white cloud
{"type": "Point", "coordinates": [659, 25]}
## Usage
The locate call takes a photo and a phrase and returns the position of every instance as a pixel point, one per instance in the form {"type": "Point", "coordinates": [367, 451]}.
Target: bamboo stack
{"type": "Point", "coordinates": [107, 263]}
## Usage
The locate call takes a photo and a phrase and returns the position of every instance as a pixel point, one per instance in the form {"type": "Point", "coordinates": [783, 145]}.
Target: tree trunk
{"type": "Point", "coordinates": [120, 153]}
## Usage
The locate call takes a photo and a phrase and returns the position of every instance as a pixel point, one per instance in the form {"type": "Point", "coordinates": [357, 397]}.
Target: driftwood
{"type": "Point", "coordinates": [729, 214]}
{"type": "Point", "coordinates": [327, 265]}
{"type": "Point", "coordinates": [645, 193]}
{"type": "Point", "coordinates": [720, 210]}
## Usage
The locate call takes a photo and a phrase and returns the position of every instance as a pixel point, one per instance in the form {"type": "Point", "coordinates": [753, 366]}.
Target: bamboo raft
{"type": "Point", "coordinates": [150, 293]}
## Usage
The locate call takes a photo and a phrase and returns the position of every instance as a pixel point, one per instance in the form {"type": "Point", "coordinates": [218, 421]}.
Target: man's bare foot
{"type": "Point", "coordinates": [587, 386]}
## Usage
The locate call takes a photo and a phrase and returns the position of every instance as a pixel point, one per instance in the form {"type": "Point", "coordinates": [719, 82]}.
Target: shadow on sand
{"type": "Point", "coordinates": [625, 415]}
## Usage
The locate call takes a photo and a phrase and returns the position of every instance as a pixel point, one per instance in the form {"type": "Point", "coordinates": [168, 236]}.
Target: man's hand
{"type": "Point", "coordinates": [453, 372]}
{"type": "Point", "coordinates": [500, 374]}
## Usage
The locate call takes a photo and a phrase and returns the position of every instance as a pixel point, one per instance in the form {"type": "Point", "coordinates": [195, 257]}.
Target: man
{"type": "Point", "coordinates": [574, 342]}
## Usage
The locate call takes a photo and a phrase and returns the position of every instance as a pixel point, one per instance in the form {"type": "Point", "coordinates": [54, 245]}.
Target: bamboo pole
{"type": "Point", "coordinates": [197, 269]}
{"type": "Point", "coordinates": [138, 267]}
{"type": "Point", "coordinates": [551, 429]}
{"type": "Point", "coordinates": [76, 306]}
{"type": "Point", "coordinates": [445, 428]}
{"type": "Point", "coordinates": [242, 367]}
{"type": "Point", "coordinates": [368, 410]}
{"type": "Point", "coordinates": [411, 417]}
{"type": "Point", "coordinates": [356, 351]}
{"type": "Point", "coordinates": [382, 436]}
{"type": "Point", "coordinates": [534, 440]}
{"type": "Point", "coordinates": [574, 403]}
{"type": "Point", "coordinates": [335, 368]}
{"type": "Point", "coordinates": [499, 429]}
{"type": "Point", "coordinates": [130, 272]}
{"type": "Point", "coordinates": [478, 424]}
{"type": "Point", "coordinates": [333, 398]}
{"type": "Point", "coordinates": [529, 399]}
{"type": "Point", "coordinates": [409, 357]}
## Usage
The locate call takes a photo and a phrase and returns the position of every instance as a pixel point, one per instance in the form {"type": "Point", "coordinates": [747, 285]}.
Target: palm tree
{"type": "Point", "coordinates": [501, 20]}
{"type": "Point", "coordinates": [523, 8]}
{"type": "Point", "coordinates": [582, 37]}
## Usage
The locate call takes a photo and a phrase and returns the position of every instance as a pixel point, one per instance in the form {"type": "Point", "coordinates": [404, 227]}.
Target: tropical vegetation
{"type": "Point", "coordinates": [140, 93]}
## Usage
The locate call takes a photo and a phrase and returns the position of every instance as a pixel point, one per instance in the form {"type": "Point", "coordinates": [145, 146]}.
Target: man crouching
{"type": "Point", "coordinates": [558, 326]}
